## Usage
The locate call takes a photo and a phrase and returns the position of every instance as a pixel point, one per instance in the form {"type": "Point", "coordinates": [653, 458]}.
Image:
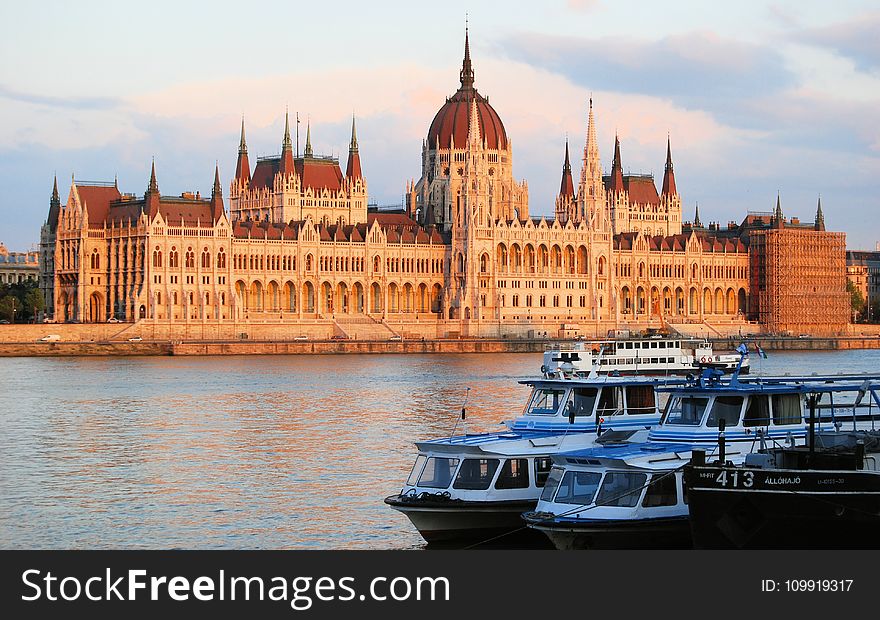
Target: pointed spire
{"type": "Point", "coordinates": [243, 167]}
{"type": "Point", "coordinates": [616, 168]}
{"type": "Point", "coordinates": [669, 175]}
{"type": "Point", "coordinates": [697, 222]}
{"type": "Point", "coordinates": [353, 169]}
{"type": "Point", "coordinates": [54, 207]}
{"type": "Point", "coordinates": [242, 145]}
{"type": "Point", "coordinates": [467, 71]}
{"type": "Point", "coordinates": [778, 217]}
{"type": "Point", "coordinates": [474, 137]}
{"type": "Point", "coordinates": [216, 190]}
{"type": "Point", "coordinates": [217, 195]}
{"type": "Point", "coordinates": [154, 186]}
{"type": "Point", "coordinates": [308, 151]}
{"type": "Point", "coordinates": [820, 217]}
{"type": "Point", "coordinates": [353, 145]}
{"type": "Point", "coordinates": [566, 188]}
{"type": "Point", "coordinates": [286, 166]}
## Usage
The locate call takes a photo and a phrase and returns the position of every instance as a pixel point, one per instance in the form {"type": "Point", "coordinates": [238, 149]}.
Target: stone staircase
{"type": "Point", "coordinates": [362, 327]}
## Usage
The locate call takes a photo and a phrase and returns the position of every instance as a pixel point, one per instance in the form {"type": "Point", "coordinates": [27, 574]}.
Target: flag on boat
{"type": "Point", "coordinates": [742, 349]}
{"type": "Point", "coordinates": [760, 351]}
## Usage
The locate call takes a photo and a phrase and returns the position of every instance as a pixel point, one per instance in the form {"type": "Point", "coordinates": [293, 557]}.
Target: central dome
{"type": "Point", "coordinates": [451, 121]}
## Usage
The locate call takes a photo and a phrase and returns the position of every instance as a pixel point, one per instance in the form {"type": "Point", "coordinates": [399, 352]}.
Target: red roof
{"type": "Point", "coordinates": [452, 120]}
{"type": "Point", "coordinates": [316, 174]}
{"type": "Point", "coordinates": [97, 199]}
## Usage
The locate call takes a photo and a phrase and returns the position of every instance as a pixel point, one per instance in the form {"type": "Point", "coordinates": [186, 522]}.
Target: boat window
{"type": "Point", "coordinates": [542, 470]}
{"type": "Point", "coordinates": [545, 401]}
{"type": "Point", "coordinates": [583, 400]}
{"type": "Point", "coordinates": [416, 470]}
{"type": "Point", "coordinates": [629, 345]}
{"type": "Point", "coordinates": [685, 411]}
{"type": "Point", "coordinates": [552, 483]}
{"type": "Point", "coordinates": [662, 345]}
{"type": "Point", "coordinates": [661, 491]}
{"type": "Point", "coordinates": [621, 489]}
{"type": "Point", "coordinates": [475, 474]}
{"type": "Point", "coordinates": [758, 411]}
{"type": "Point", "coordinates": [639, 399]}
{"type": "Point", "coordinates": [726, 407]}
{"type": "Point", "coordinates": [662, 400]}
{"type": "Point", "coordinates": [514, 475]}
{"type": "Point", "coordinates": [608, 401]}
{"type": "Point", "coordinates": [578, 487]}
{"type": "Point", "coordinates": [787, 409]}
{"type": "Point", "coordinates": [684, 490]}
{"type": "Point", "coordinates": [438, 472]}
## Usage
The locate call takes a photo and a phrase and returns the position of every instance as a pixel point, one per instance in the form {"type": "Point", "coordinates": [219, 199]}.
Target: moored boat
{"type": "Point", "coordinates": [475, 486]}
{"type": "Point", "coordinates": [630, 493]}
{"type": "Point", "coordinates": [657, 355]}
{"type": "Point", "coordinates": [824, 495]}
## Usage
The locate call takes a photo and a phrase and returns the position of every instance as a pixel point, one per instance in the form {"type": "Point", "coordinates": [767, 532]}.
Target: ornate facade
{"type": "Point", "coordinates": [298, 245]}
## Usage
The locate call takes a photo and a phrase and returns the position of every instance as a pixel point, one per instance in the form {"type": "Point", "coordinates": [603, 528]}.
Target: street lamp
{"type": "Point", "coordinates": [13, 310]}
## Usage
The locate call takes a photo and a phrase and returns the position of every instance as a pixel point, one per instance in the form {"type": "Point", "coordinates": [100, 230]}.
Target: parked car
{"type": "Point", "coordinates": [338, 337]}
{"type": "Point", "coordinates": [113, 319]}
{"type": "Point", "coordinates": [4, 322]}
{"type": "Point", "coordinates": [50, 338]}
{"type": "Point", "coordinates": [395, 337]}
{"type": "Point", "coordinates": [135, 339]}
{"type": "Point", "coordinates": [301, 338]}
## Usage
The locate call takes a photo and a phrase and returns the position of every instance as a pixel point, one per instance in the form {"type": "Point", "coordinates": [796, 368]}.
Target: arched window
{"type": "Point", "coordinates": [95, 260]}
{"type": "Point", "coordinates": [157, 257]}
{"type": "Point", "coordinates": [190, 258]}
{"type": "Point", "coordinates": [206, 259]}
{"type": "Point", "coordinates": [221, 259]}
{"type": "Point", "coordinates": [173, 260]}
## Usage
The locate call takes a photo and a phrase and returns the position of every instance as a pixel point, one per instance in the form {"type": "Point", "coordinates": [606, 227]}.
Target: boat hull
{"type": "Point", "coordinates": [785, 509]}
{"type": "Point", "coordinates": [446, 521]}
{"type": "Point", "coordinates": [660, 533]}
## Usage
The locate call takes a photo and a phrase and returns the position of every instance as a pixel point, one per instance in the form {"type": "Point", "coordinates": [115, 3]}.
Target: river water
{"type": "Point", "coordinates": [255, 452]}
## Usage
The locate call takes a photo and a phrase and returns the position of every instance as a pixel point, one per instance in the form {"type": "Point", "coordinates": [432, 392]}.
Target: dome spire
{"type": "Point", "coordinates": [467, 71]}
{"type": "Point", "coordinates": [353, 169]}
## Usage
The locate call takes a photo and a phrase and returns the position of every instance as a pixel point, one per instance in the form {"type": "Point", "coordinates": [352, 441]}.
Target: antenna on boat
{"type": "Point", "coordinates": [463, 414]}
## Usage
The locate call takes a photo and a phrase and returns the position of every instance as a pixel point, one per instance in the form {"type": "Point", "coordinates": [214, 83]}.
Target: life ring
{"type": "Point", "coordinates": [704, 359]}
{"type": "Point", "coordinates": [543, 369]}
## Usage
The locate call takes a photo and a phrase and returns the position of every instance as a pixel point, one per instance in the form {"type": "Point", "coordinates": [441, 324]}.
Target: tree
{"type": "Point", "coordinates": [34, 303]}
{"type": "Point", "coordinates": [856, 299]}
{"type": "Point", "coordinates": [7, 303]}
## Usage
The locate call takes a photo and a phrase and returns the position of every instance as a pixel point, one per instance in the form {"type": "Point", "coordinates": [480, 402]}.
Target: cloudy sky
{"type": "Point", "coordinates": [758, 97]}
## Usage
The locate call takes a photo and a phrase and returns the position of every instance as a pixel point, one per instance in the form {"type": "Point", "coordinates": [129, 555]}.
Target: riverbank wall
{"type": "Point", "coordinates": [416, 346]}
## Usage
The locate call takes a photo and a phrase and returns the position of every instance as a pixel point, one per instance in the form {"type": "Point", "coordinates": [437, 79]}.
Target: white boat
{"type": "Point", "coordinates": [627, 356]}
{"type": "Point", "coordinates": [627, 493]}
{"type": "Point", "coordinates": [477, 486]}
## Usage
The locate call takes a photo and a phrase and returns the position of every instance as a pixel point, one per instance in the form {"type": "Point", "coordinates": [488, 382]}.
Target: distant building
{"type": "Point", "coordinates": [863, 270]}
{"type": "Point", "coordinates": [18, 267]}
{"type": "Point", "coordinates": [798, 275]}
{"type": "Point", "coordinates": [299, 245]}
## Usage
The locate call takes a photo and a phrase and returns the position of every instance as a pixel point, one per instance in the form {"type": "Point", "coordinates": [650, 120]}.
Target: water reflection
{"type": "Point", "coordinates": [246, 452]}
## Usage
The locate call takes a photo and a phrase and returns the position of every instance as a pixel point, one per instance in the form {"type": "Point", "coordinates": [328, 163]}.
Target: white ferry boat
{"type": "Point", "coordinates": [625, 492]}
{"type": "Point", "coordinates": [476, 486]}
{"type": "Point", "coordinates": [627, 356]}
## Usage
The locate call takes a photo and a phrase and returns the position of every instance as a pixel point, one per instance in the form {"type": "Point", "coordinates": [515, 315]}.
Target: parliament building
{"type": "Point", "coordinates": [299, 248]}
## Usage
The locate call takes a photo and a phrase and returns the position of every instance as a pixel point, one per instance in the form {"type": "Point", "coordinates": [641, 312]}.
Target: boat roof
{"type": "Point", "coordinates": [627, 452]}
{"type": "Point", "coordinates": [775, 385]}
{"type": "Point", "coordinates": [506, 442]}
{"type": "Point", "coordinates": [606, 379]}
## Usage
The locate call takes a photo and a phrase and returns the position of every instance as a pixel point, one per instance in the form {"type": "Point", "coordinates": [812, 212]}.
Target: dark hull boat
{"type": "Point", "coordinates": [827, 497]}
